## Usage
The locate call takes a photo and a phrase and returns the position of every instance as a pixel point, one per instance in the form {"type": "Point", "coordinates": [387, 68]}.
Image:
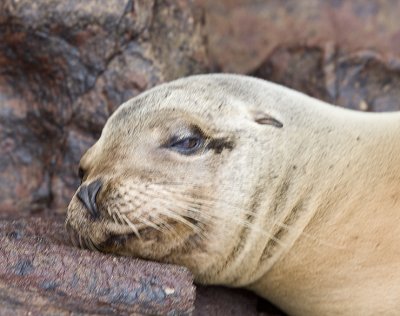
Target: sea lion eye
{"type": "Point", "coordinates": [187, 145]}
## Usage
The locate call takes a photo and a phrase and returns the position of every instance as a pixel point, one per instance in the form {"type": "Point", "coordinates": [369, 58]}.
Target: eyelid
{"type": "Point", "coordinates": [184, 132]}
{"type": "Point", "coordinates": [181, 137]}
{"type": "Point", "coordinates": [176, 144]}
{"type": "Point", "coordinates": [176, 140]}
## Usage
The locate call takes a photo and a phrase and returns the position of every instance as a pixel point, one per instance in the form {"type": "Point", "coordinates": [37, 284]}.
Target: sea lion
{"type": "Point", "coordinates": [251, 184]}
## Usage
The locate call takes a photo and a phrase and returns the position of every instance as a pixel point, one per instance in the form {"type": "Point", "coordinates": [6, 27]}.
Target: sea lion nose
{"type": "Point", "coordinates": [87, 194]}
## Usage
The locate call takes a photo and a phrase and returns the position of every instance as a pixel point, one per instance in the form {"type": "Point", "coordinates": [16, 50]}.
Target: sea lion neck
{"type": "Point", "coordinates": [353, 211]}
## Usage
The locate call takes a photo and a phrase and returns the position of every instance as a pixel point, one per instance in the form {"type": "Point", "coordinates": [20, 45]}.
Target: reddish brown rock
{"type": "Point", "coordinates": [343, 52]}
{"type": "Point", "coordinates": [362, 81]}
{"type": "Point", "coordinates": [243, 33]}
{"type": "Point", "coordinates": [65, 67]}
{"type": "Point", "coordinates": [42, 274]}
{"type": "Point", "coordinates": [220, 301]}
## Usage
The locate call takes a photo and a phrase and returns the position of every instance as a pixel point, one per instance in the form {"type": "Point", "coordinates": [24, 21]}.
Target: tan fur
{"type": "Point", "coordinates": [306, 215]}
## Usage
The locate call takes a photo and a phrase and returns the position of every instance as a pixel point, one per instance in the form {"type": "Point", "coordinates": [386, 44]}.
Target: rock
{"type": "Point", "coordinates": [218, 301]}
{"type": "Point", "coordinates": [65, 67]}
{"type": "Point", "coordinates": [362, 81]}
{"type": "Point", "coordinates": [42, 274]}
{"type": "Point", "coordinates": [308, 46]}
{"type": "Point", "coordinates": [242, 34]}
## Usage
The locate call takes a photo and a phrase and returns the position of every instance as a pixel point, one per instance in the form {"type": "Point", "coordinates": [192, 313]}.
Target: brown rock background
{"type": "Point", "coordinates": [342, 51]}
{"type": "Point", "coordinates": [65, 66]}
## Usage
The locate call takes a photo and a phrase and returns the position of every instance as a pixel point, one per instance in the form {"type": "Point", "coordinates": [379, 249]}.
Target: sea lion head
{"type": "Point", "coordinates": [175, 175]}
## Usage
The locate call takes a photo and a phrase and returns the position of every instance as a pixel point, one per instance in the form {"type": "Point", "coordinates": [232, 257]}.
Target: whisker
{"type": "Point", "coordinates": [166, 211]}
{"type": "Point", "coordinates": [163, 201]}
{"type": "Point", "coordinates": [121, 220]}
{"type": "Point", "coordinates": [185, 208]}
{"type": "Point", "coordinates": [146, 222]}
{"type": "Point", "coordinates": [245, 223]}
{"type": "Point", "coordinates": [81, 244]}
{"type": "Point", "coordinates": [94, 245]}
{"type": "Point", "coordinates": [203, 209]}
{"type": "Point", "coordinates": [252, 213]}
{"type": "Point", "coordinates": [132, 226]}
{"type": "Point", "coordinates": [179, 218]}
{"type": "Point", "coordinates": [90, 245]}
{"type": "Point", "coordinates": [115, 218]}
{"type": "Point", "coordinates": [171, 229]}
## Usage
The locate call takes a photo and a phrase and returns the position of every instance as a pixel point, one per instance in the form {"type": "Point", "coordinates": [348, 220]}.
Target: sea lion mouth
{"type": "Point", "coordinates": [117, 241]}
{"type": "Point", "coordinates": [80, 241]}
{"type": "Point", "coordinates": [112, 241]}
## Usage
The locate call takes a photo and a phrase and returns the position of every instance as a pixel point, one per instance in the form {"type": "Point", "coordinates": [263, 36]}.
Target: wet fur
{"type": "Point", "coordinates": [295, 199]}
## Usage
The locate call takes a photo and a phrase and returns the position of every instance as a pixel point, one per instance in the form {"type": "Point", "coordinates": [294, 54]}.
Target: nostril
{"type": "Point", "coordinates": [87, 194]}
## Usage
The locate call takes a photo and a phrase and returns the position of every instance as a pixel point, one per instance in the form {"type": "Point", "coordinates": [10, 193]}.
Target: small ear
{"type": "Point", "coordinates": [266, 119]}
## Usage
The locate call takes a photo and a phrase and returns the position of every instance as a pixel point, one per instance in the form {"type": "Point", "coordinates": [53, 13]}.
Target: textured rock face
{"type": "Point", "coordinates": [243, 33]}
{"type": "Point", "coordinates": [65, 67]}
{"type": "Point", "coordinates": [344, 52]}
{"type": "Point", "coordinates": [42, 274]}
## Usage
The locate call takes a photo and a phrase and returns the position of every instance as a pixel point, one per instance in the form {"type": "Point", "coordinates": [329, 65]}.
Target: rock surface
{"type": "Point", "coordinates": [65, 67]}
{"type": "Point", "coordinates": [42, 274]}
{"type": "Point", "coordinates": [343, 52]}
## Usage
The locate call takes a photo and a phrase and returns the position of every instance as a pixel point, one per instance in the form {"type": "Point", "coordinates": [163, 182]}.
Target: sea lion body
{"type": "Point", "coordinates": [286, 195]}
